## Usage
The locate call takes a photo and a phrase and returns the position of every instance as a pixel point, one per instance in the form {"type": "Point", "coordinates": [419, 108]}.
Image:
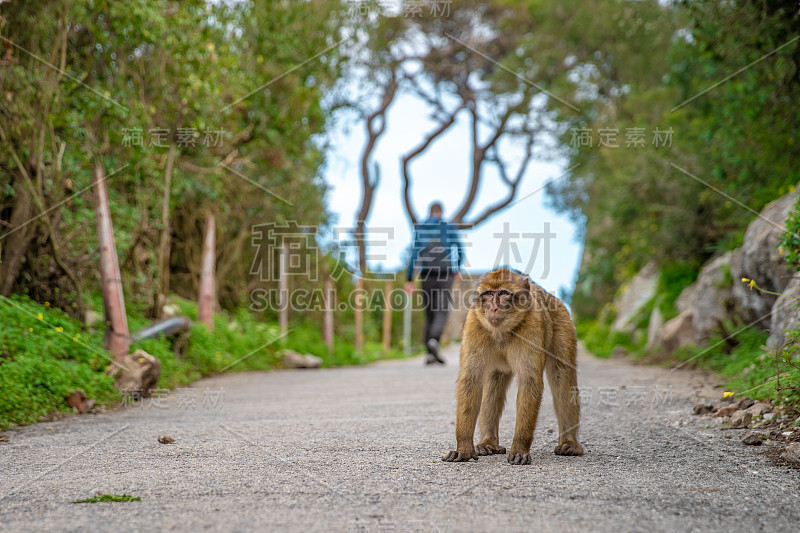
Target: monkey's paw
{"type": "Point", "coordinates": [519, 458]}
{"type": "Point", "coordinates": [458, 457]}
{"type": "Point", "coordinates": [569, 448]}
{"type": "Point", "coordinates": [489, 449]}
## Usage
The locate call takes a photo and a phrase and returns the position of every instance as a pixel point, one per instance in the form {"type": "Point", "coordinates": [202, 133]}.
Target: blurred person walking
{"type": "Point", "coordinates": [435, 242]}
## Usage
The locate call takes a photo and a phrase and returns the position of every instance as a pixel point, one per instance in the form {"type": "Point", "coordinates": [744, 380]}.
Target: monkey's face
{"type": "Point", "coordinates": [503, 301]}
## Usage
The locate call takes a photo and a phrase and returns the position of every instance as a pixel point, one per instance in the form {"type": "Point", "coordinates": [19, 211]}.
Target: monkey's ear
{"type": "Point", "coordinates": [526, 283]}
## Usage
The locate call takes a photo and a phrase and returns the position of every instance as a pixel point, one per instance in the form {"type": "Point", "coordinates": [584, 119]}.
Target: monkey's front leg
{"type": "Point", "coordinates": [529, 398]}
{"type": "Point", "coordinates": [468, 403]}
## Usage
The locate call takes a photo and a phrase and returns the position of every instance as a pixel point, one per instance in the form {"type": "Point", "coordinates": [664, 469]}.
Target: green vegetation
{"type": "Point", "coordinates": [601, 341]}
{"type": "Point", "coordinates": [110, 498]}
{"type": "Point", "coordinates": [43, 359]}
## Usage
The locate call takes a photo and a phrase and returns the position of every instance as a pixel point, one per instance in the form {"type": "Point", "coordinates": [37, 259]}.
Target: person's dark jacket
{"type": "Point", "coordinates": [431, 230]}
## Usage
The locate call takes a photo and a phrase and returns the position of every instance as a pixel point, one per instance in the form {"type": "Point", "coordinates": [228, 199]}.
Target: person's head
{"type": "Point", "coordinates": [436, 210]}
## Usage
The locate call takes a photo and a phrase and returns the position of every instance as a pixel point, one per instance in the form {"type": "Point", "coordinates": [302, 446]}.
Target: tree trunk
{"type": "Point", "coordinates": [117, 336]}
{"type": "Point", "coordinates": [205, 306]}
{"type": "Point", "coordinates": [164, 240]}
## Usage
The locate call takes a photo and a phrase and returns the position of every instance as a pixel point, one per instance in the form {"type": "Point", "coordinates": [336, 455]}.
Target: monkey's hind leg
{"type": "Point", "coordinates": [563, 379]}
{"type": "Point", "coordinates": [494, 399]}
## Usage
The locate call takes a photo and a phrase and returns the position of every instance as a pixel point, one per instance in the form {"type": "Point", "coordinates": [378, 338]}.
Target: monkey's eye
{"type": "Point", "coordinates": [486, 295]}
{"type": "Point", "coordinates": [504, 294]}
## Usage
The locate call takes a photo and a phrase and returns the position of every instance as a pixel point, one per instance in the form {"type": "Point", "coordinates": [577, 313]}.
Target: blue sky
{"type": "Point", "coordinates": [442, 174]}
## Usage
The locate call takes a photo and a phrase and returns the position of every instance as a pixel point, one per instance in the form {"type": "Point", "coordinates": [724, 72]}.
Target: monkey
{"type": "Point", "coordinates": [515, 328]}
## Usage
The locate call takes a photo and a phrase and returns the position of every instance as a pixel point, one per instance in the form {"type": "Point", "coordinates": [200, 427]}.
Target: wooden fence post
{"type": "Point", "coordinates": [327, 316]}
{"type": "Point", "coordinates": [387, 316]}
{"type": "Point", "coordinates": [407, 325]}
{"type": "Point", "coordinates": [117, 336]}
{"type": "Point", "coordinates": [283, 288]}
{"type": "Point", "coordinates": [205, 304]}
{"type": "Point", "coordinates": [359, 314]}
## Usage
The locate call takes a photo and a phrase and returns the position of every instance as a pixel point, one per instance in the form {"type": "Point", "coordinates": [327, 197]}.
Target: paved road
{"type": "Point", "coordinates": [357, 449]}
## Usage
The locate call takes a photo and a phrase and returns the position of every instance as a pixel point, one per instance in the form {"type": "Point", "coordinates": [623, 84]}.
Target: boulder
{"type": "Point", "coordinates": [760, 260]}
{"type": "Point", "coordinates": [138, 371]}
{"type": "Point", "coordinates": [710, 297]}
{"type": "Point", "coordinates": [678, 332]}
{"type": "Point", "coordinates": [292, 359]}
{"type": "Point", "coordinates": [634, 296]}
{"type": "Point", "coordinates": [785, 314]}
{"type": "Point", "coordinates": [654, 330]}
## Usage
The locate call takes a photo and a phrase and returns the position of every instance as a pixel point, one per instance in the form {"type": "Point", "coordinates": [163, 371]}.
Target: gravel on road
{"type": "Point", "coordinates": [358, 449]}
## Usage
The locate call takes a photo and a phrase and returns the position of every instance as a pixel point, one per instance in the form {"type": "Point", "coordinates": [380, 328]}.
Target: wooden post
{"type": "Point", "coordinates": [164, 244]}
{"type": "Point", "coordinates": [283, 288]}
{"type": "Point", "coordinates": [205, 304]}
{"type": "Point", "coordinates": [407, 325]}
{"type": "Point", "coordinates": [359, 314]}
{"type": "Point", "coordinates": [387, 316]}
{"type": "Point", "coordinates": [117, 336]}
{"type": "Point", "coordinates": [327, 316]}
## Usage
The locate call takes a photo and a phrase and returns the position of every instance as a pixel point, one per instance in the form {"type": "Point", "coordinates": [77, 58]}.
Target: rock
{"type": "Point", "coordinates": [634, 296]}
{"type": "Point", "coordinates": [170, 310]}
{"type": "Point", "coordinates": [784, 314]}
{"type": "Point", "coordinates": [710, 297]}
{"type": "Point", "coordinates": [745, 403]}
{"type": "Point", "coordinates": [619, 352]}
{"type": "Point", "coordinates": [792, 453]}
{"type": "Point", "coordinates": [703, 408]}
{"type": "Point", "coordinates": [292, 359]}
{"type": "Point", "coordinates": [759, 409]}
{"type": "Point", "coordinates": [753, 438]}
{"type": "Point", "coordinates": [768, 416]}
{"type": "Point", "coordinates": [165, 439]}
{"type": "Point", "coordinates": [678, 332]}
{"type": "Point", "coordinates": [140, 373]}
{"type": "Point", "coordinates": [654, 330]}
{"type": "Point", "coordinates": [759, 259]}
{"type": "Point", "coordinates": [93, 318]}
{"type": "Point", "coordinates": [79, 402]}
{"type": "Point", "coordinates": [727, 410]}
{"type": "Point", "coordinates": [741, 419]}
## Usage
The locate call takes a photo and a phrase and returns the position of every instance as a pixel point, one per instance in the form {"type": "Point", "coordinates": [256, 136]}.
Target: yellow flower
{"type": "Point", "coordinates": [59, 329]}
{"type": "Point", "coordinates": [75, 338]}
{"type": "Point", "coordinates": [750, 282]}
{"type": "Point", "coordinates": [30, 329]}
{"type": "Point", "coordinates": [41, 316]}
{"type": "Point", "coordinates": [727, 394]}
{"type": "Point", "coordinates": [47, 304]}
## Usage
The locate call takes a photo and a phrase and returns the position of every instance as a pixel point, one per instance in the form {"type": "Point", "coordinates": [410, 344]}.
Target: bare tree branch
{"type": "Point", "coordinates": [375, 126]}
{"type": "Point", "coordinates": [512, 184]}
{"type": "Point", "coordinates": [406, 160]}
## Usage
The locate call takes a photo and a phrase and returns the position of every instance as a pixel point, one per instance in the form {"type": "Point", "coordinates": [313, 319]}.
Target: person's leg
{"type": "Point", "coordinates": [428, 283]}
{"type": "Point", "coordinates": [440, 297]}
{"type": "Point", "coordinates": [441, 306]}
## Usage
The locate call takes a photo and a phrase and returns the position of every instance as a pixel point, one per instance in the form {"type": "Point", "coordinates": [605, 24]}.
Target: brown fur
{"type": "Point", "coordinates": [515, 328]}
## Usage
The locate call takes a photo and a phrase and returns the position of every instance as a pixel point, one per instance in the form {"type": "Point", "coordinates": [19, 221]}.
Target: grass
{"type": "Point", "coordinates": [601, 341]}
{"type": "Point", "coordinates": [45, 355]}
{"type": "Point", "coordinates": [110, 498]}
